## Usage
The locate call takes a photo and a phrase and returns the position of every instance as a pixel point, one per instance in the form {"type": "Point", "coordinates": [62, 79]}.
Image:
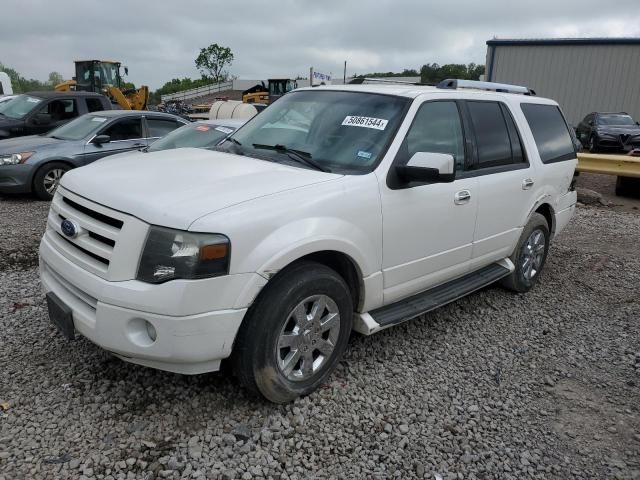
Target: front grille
{"type": "Point", "coordinates": [97, 236]}
{"type": "Point", "coordinates": [114, 222]}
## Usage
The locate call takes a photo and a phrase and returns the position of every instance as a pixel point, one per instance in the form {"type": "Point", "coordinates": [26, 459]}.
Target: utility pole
{"type": "Point", "coordinates": [344, 81]}
{"type": "Point", "coordinates": [311, 76]}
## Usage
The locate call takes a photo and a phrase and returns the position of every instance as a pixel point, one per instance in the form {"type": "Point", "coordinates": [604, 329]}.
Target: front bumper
{"type": "Point", "coordinates": [15, 178]}
{"type": "Point", "coordinates": [113, 315]}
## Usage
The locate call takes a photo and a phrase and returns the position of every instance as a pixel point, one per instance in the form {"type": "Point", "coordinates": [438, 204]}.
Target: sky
{"type": "Point", "coordinates": [159, 40]}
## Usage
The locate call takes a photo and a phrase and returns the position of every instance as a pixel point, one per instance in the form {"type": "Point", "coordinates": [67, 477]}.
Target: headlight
{"type": "Point", "coordinates": [14, 158]}
{"type": "Point", "coordinates": [171, 254]}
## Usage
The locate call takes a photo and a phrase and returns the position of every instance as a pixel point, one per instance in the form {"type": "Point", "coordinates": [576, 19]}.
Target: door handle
{"type": "Point", "coordinates": [527, 183]}
{"type": "Point", "coordinates": [462, 197]}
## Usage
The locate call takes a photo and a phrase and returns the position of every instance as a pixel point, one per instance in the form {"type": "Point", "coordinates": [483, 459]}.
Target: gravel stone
{"type": "Point", "coordinates": [468, 398]}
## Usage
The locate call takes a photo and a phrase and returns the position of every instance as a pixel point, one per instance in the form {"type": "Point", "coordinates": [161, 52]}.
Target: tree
{"type": "Point", "coordinates": [434, 73]}
{"type": "Point", "coordinates": [212, 61]}
{"type": "Point", "coordinates": [55, 78]}
{"type": "Point", "coordinates": [21, 84]}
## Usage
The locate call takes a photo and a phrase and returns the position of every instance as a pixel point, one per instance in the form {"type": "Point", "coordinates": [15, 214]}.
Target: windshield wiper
{"type": "Point", "coordinates": [298, 155]}
{"type": "Point", "coordinates": [236, 146]}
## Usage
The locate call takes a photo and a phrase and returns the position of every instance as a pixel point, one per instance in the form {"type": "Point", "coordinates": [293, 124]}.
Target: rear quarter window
{"type": "Point", "coordinates": [550, 132]}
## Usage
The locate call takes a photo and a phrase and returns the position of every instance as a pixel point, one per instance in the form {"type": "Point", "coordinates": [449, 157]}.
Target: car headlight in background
{"type": "Point", "coordinates": [172, 254]}
{"type": "Point", "coordinates": [14, 158]}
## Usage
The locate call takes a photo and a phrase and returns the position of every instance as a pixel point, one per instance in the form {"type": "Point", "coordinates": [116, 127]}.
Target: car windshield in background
{"type": "Point", "coordinates": [345, 132]}
{"type": "Point", "coordinates": [615, 120]}
{"type": "Point", "coordinates": [78, 129]}
{"type": "Point", "coordinates": [19, 106]}
{"type": "Point", "coordinates": [197, 135]}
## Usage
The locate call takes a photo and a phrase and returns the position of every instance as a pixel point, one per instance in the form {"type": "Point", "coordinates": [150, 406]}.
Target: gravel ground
{"type": "Point", "coordinates": [497, 385]}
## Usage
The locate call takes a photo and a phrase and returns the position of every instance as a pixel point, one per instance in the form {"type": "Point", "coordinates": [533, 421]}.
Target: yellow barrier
{"type": "Point", "coordinates": [621, 165]}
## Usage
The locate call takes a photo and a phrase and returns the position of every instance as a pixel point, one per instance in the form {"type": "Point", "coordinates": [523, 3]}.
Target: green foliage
{"type": "Point", "coordinates": [212, 61]}
{"type": "Point", "coordinates": [21, 84]}
{"type": "Point", "coordinates": [434, 73]}
{"type": "Point", "coordinates": [405, 73]}
{"type": "Point", "coordinates": [178, 85]}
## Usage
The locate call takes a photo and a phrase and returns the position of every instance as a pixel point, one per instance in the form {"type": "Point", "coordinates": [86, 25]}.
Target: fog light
{"type": "Point", "coordinates": [151, 331]}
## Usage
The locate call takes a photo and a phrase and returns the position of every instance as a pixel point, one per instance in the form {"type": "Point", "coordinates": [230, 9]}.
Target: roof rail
{"type": "Point", "coordinates": [361, 80]}
{"type": "Point", "coordinates": [453, 84]}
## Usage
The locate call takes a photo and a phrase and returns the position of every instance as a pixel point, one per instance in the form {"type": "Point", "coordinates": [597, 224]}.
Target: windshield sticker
{"type": "Point", "coordinates": [365, 122]}
{"type": "Point", "coordinates": [363, 154]}
{"type": "Point", "coordinates": [202, 128]}
{"type": "Point", "coordinates": [33, 100]}
{"type": "Point", "coordinates": [225, 130]}
{"type": "Point", "coordinates": [98, 119]}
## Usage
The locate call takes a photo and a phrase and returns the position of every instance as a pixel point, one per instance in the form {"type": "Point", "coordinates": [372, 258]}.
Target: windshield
{"type": "Point", "coordinates": [618, 120]}
{"type": "Point", "coordinates": [197, 135]}
{"type": "Point", "coordinates": [103, 73]}
{"type": "Point", "coordinates": [79, 128]}
{"type": "Point", "coordinates": [18, 107]}
{"type": "Point", "coordinates": [346, 132]}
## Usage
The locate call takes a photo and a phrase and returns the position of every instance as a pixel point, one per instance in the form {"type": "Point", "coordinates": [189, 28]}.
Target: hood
{"type": "Point", "coordinates": [173, 188]}
{"type": "Point", "coordinates": [29, 143]}
{"type": "Point", "coordinates": [619, 129]}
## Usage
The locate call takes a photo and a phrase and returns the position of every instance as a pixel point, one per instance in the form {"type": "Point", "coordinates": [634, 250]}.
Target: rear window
{"type": "Point", "coordinates": [550, 132]}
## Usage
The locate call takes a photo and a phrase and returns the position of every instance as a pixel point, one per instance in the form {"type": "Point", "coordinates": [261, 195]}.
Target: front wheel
{"type": "Point", "coordinates": [529, 256]}
{"type": "Point", "coordinates": [47, 179]}
{"type": "Point", "coordinates": [593, 144]}
{"type": "Point", "coordinates": [295, 333]}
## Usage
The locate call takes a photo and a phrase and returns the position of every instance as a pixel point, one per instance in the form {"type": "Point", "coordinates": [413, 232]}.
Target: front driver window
{"type": "Point", "coordinates": [125, 129]}
{"type": "Point", "coordinates": [436, 128]}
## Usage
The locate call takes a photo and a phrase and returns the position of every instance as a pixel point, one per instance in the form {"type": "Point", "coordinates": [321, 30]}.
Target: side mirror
{"type": "Point", "coordinates": [428, 167]}
{"type": "Point", "coordinates": [591, 123]}
{"type": "Point", "coordinates": [42, 119]}
{"type": "Point", "coordinates": [100, 139]}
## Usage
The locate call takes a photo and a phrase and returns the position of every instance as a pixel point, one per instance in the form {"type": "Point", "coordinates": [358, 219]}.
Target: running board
{"type": "Point", "coordinates": [431, 299]}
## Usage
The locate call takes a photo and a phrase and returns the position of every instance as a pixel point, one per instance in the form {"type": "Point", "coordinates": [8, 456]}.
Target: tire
{"type": "Point", "coordinates": [47, 178]}
{"type": "Point", "coordinates": [529, 256]}
{"type": "Point", "coordinates": [625, 187]}
{"type": "Point", "coordinates": [279, 333]}
{"type": "Point", "coordinates": [593, 144]}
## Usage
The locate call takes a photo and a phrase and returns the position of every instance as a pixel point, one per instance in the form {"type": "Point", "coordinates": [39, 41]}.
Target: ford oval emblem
{"type": "Point", "coordinates": [69, 228]}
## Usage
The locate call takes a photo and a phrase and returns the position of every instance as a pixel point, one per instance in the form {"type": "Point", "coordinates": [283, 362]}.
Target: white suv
{"type": "Point", "coordinates": [337, 208]}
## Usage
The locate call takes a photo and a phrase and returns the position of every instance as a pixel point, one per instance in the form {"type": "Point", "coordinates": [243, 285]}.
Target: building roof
{"type": "Point", "coordinates": [564, 41]}
{"type": "Point", "coordinates": [53, 94]}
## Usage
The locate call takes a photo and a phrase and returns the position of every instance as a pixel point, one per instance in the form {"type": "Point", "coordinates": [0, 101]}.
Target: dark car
{"type": "Point", "coordinates": [36, 163]}
{"type": "Point", "coordinates": [615, 132]}
{"type": "Point", "coordinates": [38, 112]}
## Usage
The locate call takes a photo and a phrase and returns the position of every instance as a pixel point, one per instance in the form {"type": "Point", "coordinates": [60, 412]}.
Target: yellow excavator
{"type": "Point", "coordinates": [102, 76]}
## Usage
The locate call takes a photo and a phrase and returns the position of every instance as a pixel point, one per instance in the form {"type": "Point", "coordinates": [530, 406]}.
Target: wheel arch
{"type": "Point", "coordinates": [43, 163]}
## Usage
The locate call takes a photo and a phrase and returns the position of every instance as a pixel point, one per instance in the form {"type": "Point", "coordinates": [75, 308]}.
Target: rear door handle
{"type": "Point", "coordinates": [527, 183]}
{"type": "Point", "coordinates": [462, 197]}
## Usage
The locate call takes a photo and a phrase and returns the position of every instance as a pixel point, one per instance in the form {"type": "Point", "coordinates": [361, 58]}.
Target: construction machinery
{"type": "Point", "coordinates": [102, 76]}
{"type": "Point", "coordinates": [276, 89]}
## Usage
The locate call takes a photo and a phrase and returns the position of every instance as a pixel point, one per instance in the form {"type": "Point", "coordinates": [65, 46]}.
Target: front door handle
{"type": "Point", "coordinates": [462, 197]}
{"type": "Point", "coordinates": [527, 183]}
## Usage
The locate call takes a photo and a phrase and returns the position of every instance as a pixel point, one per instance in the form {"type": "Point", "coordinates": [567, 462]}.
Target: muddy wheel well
{"type": "Point", "coordinates": [345, 267]}
{"type": "Point", "coordinates": [546, 211]}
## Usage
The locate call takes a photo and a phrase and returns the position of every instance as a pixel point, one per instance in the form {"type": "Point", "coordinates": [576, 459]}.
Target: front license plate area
{"type": "Point", "coordinates": [61, 316]}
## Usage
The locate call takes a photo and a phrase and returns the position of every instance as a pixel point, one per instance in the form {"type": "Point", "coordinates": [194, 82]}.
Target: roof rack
{"type": "Point", "coordinates": [453, 84]}
{"type": "Point", "coordinates": [361, 80]}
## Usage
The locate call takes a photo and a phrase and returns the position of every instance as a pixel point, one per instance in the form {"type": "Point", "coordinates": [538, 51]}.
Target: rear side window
{"type": "Point", "coordinates": [94, 105]}
{"type": "Point", "coordinates": [496, 135]}
{"type": "Point", "coordinates": [550, 132]}
{"type": "Point", "coordinates": [159, 127]}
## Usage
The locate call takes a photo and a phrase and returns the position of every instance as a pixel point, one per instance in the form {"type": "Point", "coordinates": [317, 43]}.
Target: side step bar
{"type": "Point", "coordinates": [428, 300]}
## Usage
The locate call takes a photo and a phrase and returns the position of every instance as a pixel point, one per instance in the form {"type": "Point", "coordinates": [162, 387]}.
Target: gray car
{"type": "Point", "coordinates": [37, 162]}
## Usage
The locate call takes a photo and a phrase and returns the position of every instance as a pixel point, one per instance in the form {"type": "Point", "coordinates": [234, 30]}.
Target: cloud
{"type": "Point", "coordinates": [159, 40]}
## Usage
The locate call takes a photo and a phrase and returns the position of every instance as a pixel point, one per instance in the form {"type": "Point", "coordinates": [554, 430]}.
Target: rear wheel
{"type": "Point", "coordinates": [295, 333]}
{"type": "Point", "coordinates": [529, 256]}
{"type": "Point", "coordinates": [627, 186]}
{"type": "Point", "coordinates": [47, 179]}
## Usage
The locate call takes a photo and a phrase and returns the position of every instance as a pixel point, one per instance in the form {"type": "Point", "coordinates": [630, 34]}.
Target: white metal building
{"type": "Point", "coordinates": [583, 75]}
